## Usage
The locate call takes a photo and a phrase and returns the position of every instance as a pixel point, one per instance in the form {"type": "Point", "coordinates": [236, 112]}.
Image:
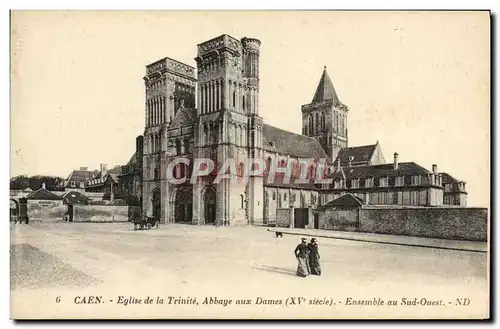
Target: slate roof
{"type": "Point", "coordinates": [43, 194]}
{"type": "Point", "coordinates": [183, 117]}
{"type": "Point", "coordinates": [74, 197]}
{"type": "Point", "coordinates": [447, 178]}
{"type": "Point", "coordinates": [378, 171]}
{"type": "Point", "coordinates": [295, 145]}
{"type": "Point", "coordinates": [325, 90]}
{"type": "Point", "coordinates": [81, 176]}
{"type": "Point", "coordinates": [278, 182]}
{"type": "Point", "coordinates": [360, 154]}
{"type": "Point", "coordinates": [347, 199]}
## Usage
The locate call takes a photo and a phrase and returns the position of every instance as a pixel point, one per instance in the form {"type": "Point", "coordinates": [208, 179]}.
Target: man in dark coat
{"type": "Point", "coordinates": [314, 257]}
{"type": "Point", "coordinates": [302, 255]}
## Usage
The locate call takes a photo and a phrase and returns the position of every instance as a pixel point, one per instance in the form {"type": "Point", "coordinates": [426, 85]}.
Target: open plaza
{"type": "Point", "coordinates": [191, 271]}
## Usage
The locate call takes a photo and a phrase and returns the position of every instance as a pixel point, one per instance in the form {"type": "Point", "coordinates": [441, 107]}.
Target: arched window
{"type": "Point", "coordinates": [268, 164]}
{"type": "Point", "coordinates": [243, 102]}
{"type": "Point", "coordinates": [234, 98]}
{"type": "Point", "coordinates": [178, 146]}
{"type": "Point", "coordinates": [241, 169]}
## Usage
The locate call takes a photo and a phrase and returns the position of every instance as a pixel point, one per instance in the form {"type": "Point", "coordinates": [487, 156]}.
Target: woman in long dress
{"type": "Point", "coordinates": [302, 255]}
{"type": "Point", "coordinates": [314, 257]}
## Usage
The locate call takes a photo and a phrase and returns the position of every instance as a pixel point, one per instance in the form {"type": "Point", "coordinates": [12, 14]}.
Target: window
{"type": "Point", "coordinates": [234, 98]}
{"type": "Point", "coordinates": [384, 182]}
{"type": "Point", "coordinates": [274, 195]}
{"type": "Point", "coordinates": [395, 198]}
{"type": "Point", "coordinates": [242, 201]}
{"type": "Point", "coordinates": [336, 183]}
{"type": "Point", "coordinates": [241, 169]}
{"type": "Point", "coordinates": [414, 197]}
{"type": "Point", "coordinates": [157, 173]}
{"type": "Point", "coordinates": [383, 198]}
{"type": "Point", "coordinates": [400, 181]}
{"type": "Point", "coordinates": [243, 102]}
{"type": "Point", "coordinates": [369, 182]}
{"type": "Point", "coordinates": [355, 183]}
{"type": "Point", "coordinates": [82, 184]}
{"type": "Point", "coordinates": [73, 184]}
{"type": "Point", "coordinates": [416, 180]}
{"type": "Point", "coordinates": [178, 146]}
{"type": "Point", "coordinates": [284, 197]}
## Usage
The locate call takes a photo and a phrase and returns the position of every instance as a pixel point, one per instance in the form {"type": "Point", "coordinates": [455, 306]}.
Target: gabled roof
{"type": "Point", "coordinates": [74, 197]}
{"type": "Point", "coordinates": [43, 194]}
{"type": "Point", "coordinates": [347, 199]}
{"type": "Point", "coordinates": [377, 171]}
{"type": "Point", "coordinates": [359, 154]}
{"type": "Point", "coordinates": [288, 143]}
{"type": "Point", "coordinates": [183, 117]}
{"type": "Point", "coordinates": [325, 90]}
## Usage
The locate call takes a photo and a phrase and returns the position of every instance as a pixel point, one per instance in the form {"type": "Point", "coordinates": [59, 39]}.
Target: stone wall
{"type": "Point", "coordinates": [339, 219]}
{"type": "Point", "coordinates": [283, 217]}
{"type": "Point", "coordinates": [46, 209]}
{"type": "Point", "coordinates": [100, 213]}
{"type": "Point", "coordinates": [434, 222]}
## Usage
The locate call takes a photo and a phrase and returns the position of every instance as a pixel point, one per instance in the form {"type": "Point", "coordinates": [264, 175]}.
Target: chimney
{"type": "Point", "coordinates": [43, 185]}
{"type": "Point", "coordinates": [396, 160]}
{"type": "Point", "coordinates": [435, 168]}
{"type": "Point", "coordinates": [84, 168]}
{"type": "Point", "coordinates": [338, 165]}
{"type": "Point", "coordinates": [103, 169]}
{"type": "Point", "coordinates": [350, 160]}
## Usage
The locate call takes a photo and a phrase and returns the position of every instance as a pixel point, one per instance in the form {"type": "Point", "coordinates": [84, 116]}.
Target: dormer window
{"type": "Point", "coordinates": [369, 182]}
{"type": "Point", "coordinates": [384, 182]}
{"type": "Point", "coordinates": [400, 181]}
{"type": "Point", "coordinates": [354, 183]}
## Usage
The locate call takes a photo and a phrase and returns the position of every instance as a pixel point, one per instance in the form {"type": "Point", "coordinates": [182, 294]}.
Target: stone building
{"type": "Point", "coordinates": [130, 179]}
{"type": "Point", "coordinates": [213, 111]}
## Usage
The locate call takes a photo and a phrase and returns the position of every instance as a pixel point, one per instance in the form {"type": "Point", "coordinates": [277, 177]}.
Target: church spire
{"type": "Point", "coordinates": [325, 90]}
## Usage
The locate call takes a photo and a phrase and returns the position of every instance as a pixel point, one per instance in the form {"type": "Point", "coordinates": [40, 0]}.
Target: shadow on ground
{"type": "Point", "coordinates": [32, 268]}
{"type": "Point", "coordinates": [274, 269]}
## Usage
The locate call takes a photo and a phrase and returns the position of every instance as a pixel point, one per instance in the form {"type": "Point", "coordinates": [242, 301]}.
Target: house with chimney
{"type": "Point", "coordinates": [106, 181]}
{"type": "Point", "coordinates": [78, 179]}
{"type": "Point", "coordinates": [396, 183]}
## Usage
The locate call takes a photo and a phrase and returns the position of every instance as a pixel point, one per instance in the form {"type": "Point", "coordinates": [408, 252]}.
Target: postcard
{"type": "Point", "coordinates": [250, 165]}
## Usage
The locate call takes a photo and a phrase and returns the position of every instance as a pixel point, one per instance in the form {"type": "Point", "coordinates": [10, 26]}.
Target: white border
{"type": "Point", "coordinates": [199, 5]}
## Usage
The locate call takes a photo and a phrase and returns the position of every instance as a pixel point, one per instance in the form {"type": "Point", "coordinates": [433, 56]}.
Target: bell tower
{"type": "Point", "coordinates": [229, 126]}
{"type": "Point", "coordinates": [325, 118]}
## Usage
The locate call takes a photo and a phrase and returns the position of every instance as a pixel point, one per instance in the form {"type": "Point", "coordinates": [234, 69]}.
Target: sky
{"type": "Point", "coordinates": [417, 82]}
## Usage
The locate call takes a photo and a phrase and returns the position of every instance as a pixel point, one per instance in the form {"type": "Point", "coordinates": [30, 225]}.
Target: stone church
{"type": "Point", "coordinates": [213, 111]}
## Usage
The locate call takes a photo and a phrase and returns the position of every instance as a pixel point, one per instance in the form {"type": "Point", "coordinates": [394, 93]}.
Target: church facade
{"type": "Point", "coordinates": [212, 112]}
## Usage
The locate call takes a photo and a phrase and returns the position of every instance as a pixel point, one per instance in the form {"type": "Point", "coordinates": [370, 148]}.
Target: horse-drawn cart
{"type": "Point", "coordinates": [145, 223]}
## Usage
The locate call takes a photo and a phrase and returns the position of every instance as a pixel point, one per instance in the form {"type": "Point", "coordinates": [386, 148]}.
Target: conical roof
{"type": "Point", "coordinates": [325, 90]}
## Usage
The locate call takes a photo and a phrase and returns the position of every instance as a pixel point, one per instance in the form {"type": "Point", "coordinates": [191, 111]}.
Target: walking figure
{"type": "Point", "coordinates": [302, 255]}
{"type": "Point", "coordinates": [314, 257]}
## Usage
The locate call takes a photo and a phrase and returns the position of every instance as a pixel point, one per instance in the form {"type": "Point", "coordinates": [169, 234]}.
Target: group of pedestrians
{"type": "Point", "coordinates": [307, 255]}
